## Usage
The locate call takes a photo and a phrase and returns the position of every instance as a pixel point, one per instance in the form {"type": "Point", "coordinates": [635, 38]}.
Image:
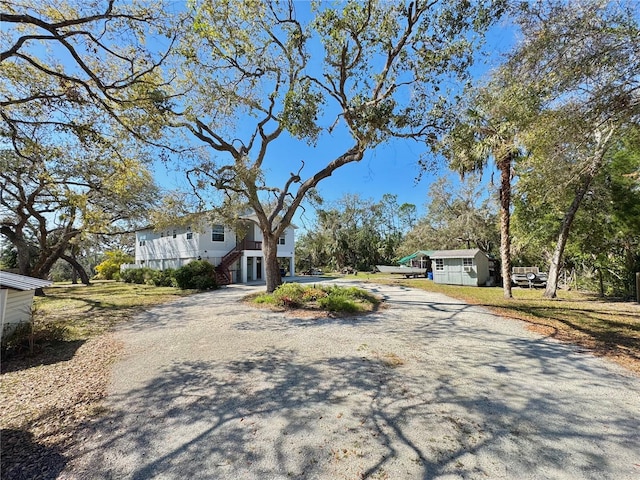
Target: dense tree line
{"type": "Point", "coordinates": [355, 233]}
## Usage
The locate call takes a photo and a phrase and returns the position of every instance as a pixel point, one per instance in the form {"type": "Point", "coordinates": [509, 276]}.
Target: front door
{"type": "Point", "coordinates": [258, 268]}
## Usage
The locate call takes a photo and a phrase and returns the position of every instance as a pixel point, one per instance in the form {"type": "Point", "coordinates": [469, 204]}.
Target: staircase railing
{"type": "Point", "coordinates": [223, 274]}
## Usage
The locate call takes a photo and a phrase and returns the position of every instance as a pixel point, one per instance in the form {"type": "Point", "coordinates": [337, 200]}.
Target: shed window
{"type": "Point", "coordinates": [467, 262]}
{"type": "Point", "coordinates": [439, 264]}
{"type": "Point", "coordinates": [217, 233]}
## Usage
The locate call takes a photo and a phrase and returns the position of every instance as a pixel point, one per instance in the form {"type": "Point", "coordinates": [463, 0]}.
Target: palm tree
{"type": "Point", "coordinates": [488, 129]}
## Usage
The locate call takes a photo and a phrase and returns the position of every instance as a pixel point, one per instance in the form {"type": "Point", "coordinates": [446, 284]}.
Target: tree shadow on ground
{"type": "Point", "coordinates": [275, 414]}
{"type": "Point", "coordinates": [48, 353]}
{"type": "Point", "coordinates": [24, 459]}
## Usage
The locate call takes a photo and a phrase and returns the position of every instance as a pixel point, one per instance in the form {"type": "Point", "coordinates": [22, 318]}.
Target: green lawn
{"type": "Point", "coordinates": [85, 311]}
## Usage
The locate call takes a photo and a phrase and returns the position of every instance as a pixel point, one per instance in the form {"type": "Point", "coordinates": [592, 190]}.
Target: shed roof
{"type": "Point", "coordinates": [426, 253]}
{"type": "Point", "coordinates": [21, 282]}
{"type": "Point", "coordinates": [456, 253]}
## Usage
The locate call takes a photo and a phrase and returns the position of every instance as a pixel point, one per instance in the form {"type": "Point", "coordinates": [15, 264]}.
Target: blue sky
{"type": "Point", "coordinates": [390, 168]}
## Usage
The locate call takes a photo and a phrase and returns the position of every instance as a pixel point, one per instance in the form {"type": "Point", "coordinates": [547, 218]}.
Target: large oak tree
{"type": "Point", "coordinates": [74, 77]}
{"type": "Point", "coordinates": [343, 78]}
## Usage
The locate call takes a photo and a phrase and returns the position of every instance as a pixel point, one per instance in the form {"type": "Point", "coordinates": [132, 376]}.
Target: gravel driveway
{"type": "Point", "coordinates": [428, 387]}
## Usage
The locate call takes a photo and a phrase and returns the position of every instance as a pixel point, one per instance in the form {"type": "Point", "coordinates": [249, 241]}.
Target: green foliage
{"type": "Point", "coordinates": [110, 266]}
{"type": "Point", "coordinates": [136, 275]}
{"type": "Point", "coordinates": [338, 303]}
{"type": "Point", "coordinates": [460, 215]}
{"type": "Point", "coordinates": [355, 232]}
{"type": "Point", "coordinates": [604, 243]}
{"type": "Point", "coordinates": [332, 298]}
{"type": "Point", "coordinates": [164, 278]}
{"type": "Point", "coordinates": [198, 275]}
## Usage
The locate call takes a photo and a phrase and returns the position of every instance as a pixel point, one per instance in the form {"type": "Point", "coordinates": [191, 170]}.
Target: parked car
{"type": "Point", "coordinates": [530, 277]}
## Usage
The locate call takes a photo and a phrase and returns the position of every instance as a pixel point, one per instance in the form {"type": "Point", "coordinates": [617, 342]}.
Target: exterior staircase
{"type": "Point", "coordinates": [223, 274]}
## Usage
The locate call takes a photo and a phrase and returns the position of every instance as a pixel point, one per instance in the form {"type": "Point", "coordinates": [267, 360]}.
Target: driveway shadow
{"type": "Point", "coordinates": [274, 414]}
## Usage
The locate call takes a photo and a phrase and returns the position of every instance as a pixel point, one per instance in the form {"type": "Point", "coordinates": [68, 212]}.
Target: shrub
{"type": "Point", "coordinates": [198, 275]}
{"type": "Point", "coordinates": [164, 278]}
{"type": "Point", "coordinates": [110, 266]}
{"type": "Point", "coordinates": [338, 303]}
{"type": "Point", "coordinates": [29, 335]}
{"type": "Point", "coordinates": [135, 275]}
{"type": "Point", "coordinates": [331, 298]}
{"type": "Point", "coordinates": [289, 295]}
{"type": "Point", "coordinates": [312, 294]}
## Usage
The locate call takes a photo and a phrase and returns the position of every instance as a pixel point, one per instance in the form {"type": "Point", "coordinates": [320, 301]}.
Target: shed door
{"type": "Point", "coordinates": [455, 271]}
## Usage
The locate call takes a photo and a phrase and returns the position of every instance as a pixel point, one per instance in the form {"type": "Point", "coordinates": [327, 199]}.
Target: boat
{"type": "Point", "coordinates": [408, 272]}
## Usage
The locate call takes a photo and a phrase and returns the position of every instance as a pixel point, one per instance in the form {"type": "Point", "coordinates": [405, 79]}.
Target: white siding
{"type": "Point", "coordinates": [160, 250]}
{"type": "Point", "coordinates": [16, 308]}
{"type": "Point", "coordinates": [288, 248]}
{"type": "Point", "coordinates": [208, 249]}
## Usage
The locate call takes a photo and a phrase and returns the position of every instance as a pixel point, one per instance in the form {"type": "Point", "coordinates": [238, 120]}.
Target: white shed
{"type": "Point", "coordinates": [460, 267]}
{"type": "Point", "coordinates": [16, 298]}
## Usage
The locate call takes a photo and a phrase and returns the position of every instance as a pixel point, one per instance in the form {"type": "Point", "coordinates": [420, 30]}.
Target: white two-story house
{"type": "Point", "coordinates": [237, 260]}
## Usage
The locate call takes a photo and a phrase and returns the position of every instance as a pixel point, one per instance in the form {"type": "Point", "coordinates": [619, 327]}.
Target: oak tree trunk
{"type": "Point", "coordinates": [79, 269]}
{"type": "Point", "coordinates": [563, 236]}
{"type": "Point", "coordinates": [271, 266]}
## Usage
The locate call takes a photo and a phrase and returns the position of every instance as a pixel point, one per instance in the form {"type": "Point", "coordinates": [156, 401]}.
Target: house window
{"type": "Point", "coordinates": [189, 233]}
{"type": "Point", "coordinates": [467, 262]}
{"type": "Point", "coordinates": [174, 233]}
{"type": "Point", "coordinates": [143, 243]}
{"type": "Point", "coordinates": [439, 264]}
{"type": "Point", "coordinates": [217, 233]}
{"type": "Point", "coordinates": [281, 240]}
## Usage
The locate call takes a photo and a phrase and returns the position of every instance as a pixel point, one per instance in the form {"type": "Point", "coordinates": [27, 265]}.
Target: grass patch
{"type": "Point", "coordinates": [70, 313]}
{"type": "Point", "coordinates": [608, 328]}
{"type": "Point", "coordinates": [329, 298]}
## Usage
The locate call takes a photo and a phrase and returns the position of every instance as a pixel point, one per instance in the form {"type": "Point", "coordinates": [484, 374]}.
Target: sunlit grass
{"type": "Point", "coordinates": [84, 311]}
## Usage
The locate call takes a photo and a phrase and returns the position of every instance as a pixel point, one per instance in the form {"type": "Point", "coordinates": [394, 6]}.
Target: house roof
{"type": "Point", "coordinates": [426, 253]}
{"type": "Point", "coordinates": [456, 253]}
{"type": "Point", "coordinates": [21, 282]}
{"type": "Point", "coordinates": [249, 216]}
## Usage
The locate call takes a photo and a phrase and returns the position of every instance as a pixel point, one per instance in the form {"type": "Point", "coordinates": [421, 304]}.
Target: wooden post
{"type": "Point", "coordinates": [638, 286]}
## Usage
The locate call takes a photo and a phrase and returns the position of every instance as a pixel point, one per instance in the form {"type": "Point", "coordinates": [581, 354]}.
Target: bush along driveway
{"type": "Point", "coordinates": [426, 387]}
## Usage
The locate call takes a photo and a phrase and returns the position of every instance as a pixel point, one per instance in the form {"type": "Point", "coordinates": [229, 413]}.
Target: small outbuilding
{"type": "Point", "coordinates": [460, 267]}
{"type": "Point", "coordinates": [421, 259]}
{"type": "Point", "coordinates": [16, 299]}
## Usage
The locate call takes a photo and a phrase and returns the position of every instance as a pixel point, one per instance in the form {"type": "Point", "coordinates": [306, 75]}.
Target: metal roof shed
{"type": "Point", "coordinates": [16, 299]}
{"type": "Point", "coordinates": [460, 267]}
{"type": "Point", "coordinates": [417, 259]}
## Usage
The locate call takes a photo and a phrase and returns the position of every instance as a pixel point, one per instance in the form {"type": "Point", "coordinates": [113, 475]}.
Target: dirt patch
{"type": "Point", "coordinates": [45, 399]}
